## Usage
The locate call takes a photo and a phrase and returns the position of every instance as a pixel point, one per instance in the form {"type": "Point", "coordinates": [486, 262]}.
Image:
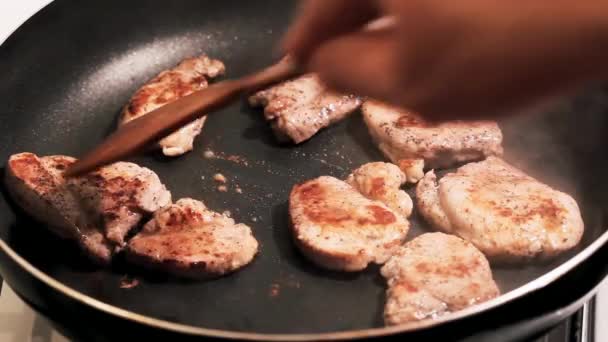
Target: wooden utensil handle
{"type": "Point", "coordinates": [135, 135]}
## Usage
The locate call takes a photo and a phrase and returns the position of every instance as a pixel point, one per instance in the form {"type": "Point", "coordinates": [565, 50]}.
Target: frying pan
{"type": "Point", "coordinates": [67, 72]}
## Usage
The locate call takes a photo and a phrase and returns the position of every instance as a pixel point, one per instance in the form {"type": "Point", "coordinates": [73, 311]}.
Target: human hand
{"type": "Point", "coordinates": [454, 59]}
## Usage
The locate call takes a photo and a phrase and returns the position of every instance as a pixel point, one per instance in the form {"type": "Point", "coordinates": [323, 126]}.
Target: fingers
{"type": "Point", "coordinates": [322, 20]}
{"type": "Point", "coordinates": [360, 63]}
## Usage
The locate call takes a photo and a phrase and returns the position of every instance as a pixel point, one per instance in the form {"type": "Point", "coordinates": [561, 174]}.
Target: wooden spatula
{"type": "Point", "coordinates": [134, 136]}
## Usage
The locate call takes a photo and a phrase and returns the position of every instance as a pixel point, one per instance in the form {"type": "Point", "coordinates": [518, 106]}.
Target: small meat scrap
{"type": "Point", "coordinates": [218, 177]}
{"type": "Point", "coordinates": [275, 290]}
{"type": "Point", "coordinates": [222, 188]}
{"type": "Point", "coordinates": [128, 283]}
{"type": "Point", "coordinates": [209, 154]}
{"type": "Point", "coordinates": [382, 181]}
{"type": "Point", "coordinates": [413, 169]}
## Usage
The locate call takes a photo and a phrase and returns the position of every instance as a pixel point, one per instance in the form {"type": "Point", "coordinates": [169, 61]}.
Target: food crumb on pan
{"type": "Point", "coordinates": [227, 213]}
{"type": "Point", "coordinates": [209, 154]}
{"type": "Point", "coordinates": [222, 188]}
{"type": "Point", "coordinates": [218, 177]}
{"type": "Point", "coordinates": [237, 159]}
{"type": "Point", "coordinates": [128, 283]}
{"type": "Point", "coordinates": [238, 190]}
{"type": "Point", "coordinates": [202, 177]}
{"type": "Point", "coordinates": [275, 289]}
{"type": "Point", "coordinates": [254, 219]}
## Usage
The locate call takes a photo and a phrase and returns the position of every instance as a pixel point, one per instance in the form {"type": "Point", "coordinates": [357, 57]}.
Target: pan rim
{"type": "Point", "coordinates": [110, 309]}
{"type": "Point", "coordinates": [134, 317]}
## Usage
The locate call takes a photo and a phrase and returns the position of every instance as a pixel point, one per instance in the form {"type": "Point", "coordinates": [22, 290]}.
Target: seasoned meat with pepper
{"type": "Point", "coordinates": [338, 228]}
{"type": "Point", "coordinates": [170, 85]}
{"type": "Point", "coordinates": [120, 196]}
{"type": "Point", "coordinates": [433, 275]}
{"type": "Point", "coordinates": [507, 214]}
{"type": "Point", "coordinates": [97, 210]}
{"type": "Point", "coordinates": [402, 135]}
{"type": "Point", "coordinates": [299, 108]}
{"type": "Point", "coordinates": [187, 239]}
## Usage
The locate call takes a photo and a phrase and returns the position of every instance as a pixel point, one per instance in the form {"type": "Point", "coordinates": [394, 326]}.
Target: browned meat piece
{"type": "Point", "coordinates": [402, 135]}
{"type": "Point", "coordinates": [170, 85]}
{"type": "Point", "coordinates": [435, 274]}
{"type": "Point", "coordinates": [37, 186]}
{"type": "Point", "coordinates": [120, 195]}
{"type": "Point", "coordinates": [382, 182]}
{"type": "Point", "coordinates": [299, 108]}
{"type": "Point", "coordinates": [338, 228]}
{"type": "Point", "coordinates": [505, 213]}
{"type": "Point", "coordinates": [187, 239]}
{"type": "Point", "coordinates": [97, 211]}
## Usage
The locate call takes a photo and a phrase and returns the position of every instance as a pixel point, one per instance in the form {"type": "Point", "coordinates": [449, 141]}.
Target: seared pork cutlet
{"type": "Point", "coordinates": [382, 181]}
{"type": "Point", "coordinates": [187, 239]}
{"type": "Point", "coordinates": [97, 210]}
{"type": "Point", "coordinates": [338, 228]}
{"type": "Point", "coordinates": [299, 108]}
{"type": "Point", "coordinates": [119, 196]}
{"type": "Point", "coordinates": [433, 275]}
{"type": "Point", "coordinates": [403, 136]}
{"type": "Point", "coordinates": [507, 214]}
{"type": "Point", "coordinates": [170, 85]}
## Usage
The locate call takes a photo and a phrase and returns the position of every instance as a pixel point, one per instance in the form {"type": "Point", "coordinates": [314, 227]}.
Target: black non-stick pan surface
{"type": "Point", "coordinates": [64, 77]}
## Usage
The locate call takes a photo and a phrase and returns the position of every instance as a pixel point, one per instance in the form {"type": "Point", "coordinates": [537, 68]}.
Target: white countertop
{"type": "Point", "coordinates": [18, 323]}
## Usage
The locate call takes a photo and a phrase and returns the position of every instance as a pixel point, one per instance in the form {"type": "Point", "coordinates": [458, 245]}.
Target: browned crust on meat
{"type": "Point", "coordinates": [173, 86]}
{"type": "Point", "coordinates": [195, 270]}
{"type": "Point", "coordinates": [188, 240]}
{"type": "Point", "coordinates": [307, 211]}
{"type": "Point", "coordinates": [31, 186]}
{"type": "Point", "coordinates": [297, 109]}
{"type": "Point", "coordinates": [333, 260]}
{"type": "Point", "coordinates": [312, 192]}
{"type": "Point", "coordinates": [402, 134]}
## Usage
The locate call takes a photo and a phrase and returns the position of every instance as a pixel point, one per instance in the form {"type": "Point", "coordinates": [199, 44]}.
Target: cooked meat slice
{"type": "Point", "coordinates": [507, 214]}
{"type": "Point", "coordinates": [382, 182]}
{"type": "Point", "coordinates": [119, 196]}
{"type": "Point", "coordinates": [170, 85]}
{"type": "Point", "coordinates": [338, 228]}
{"type": "Point", "coordinates": [404, 135]}
{"type": "Point", "coordinates": [37, 185]}
{"type": "Point", "coordinates": [34, 184]}
{"type": "Point", "coordinates": [299, 108]}
{"type": "Point", "coordinates": [435, 274]}
{"type": "Point", "coordinates": [188, 239]}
